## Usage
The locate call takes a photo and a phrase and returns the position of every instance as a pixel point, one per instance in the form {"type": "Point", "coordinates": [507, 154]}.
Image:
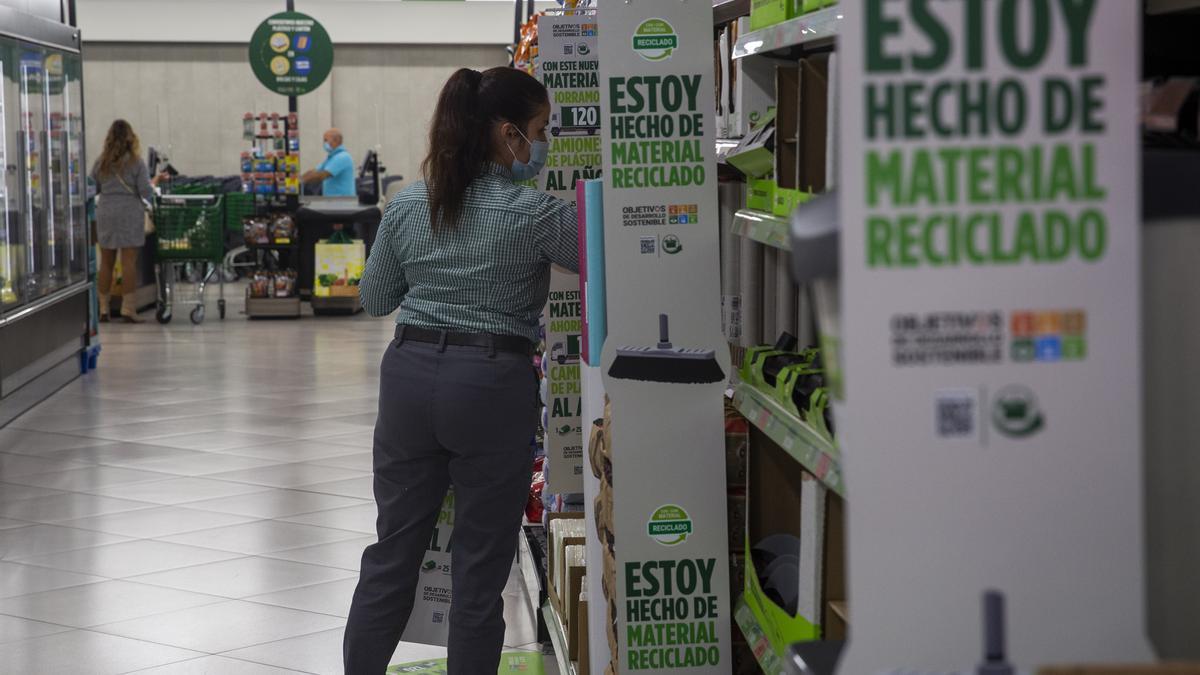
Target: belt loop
{"type": "Point", "coordinates": [491, 346]}
{"type": "Point", "coordinates": [400, 335]}
{"type": "Point", "coordinates": [442, 342]}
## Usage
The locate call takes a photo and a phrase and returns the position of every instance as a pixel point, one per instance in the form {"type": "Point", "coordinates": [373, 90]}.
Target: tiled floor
{"type": "Point", "coordinates": [199, 504]}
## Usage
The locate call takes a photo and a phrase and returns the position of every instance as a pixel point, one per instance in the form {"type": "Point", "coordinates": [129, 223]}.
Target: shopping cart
{"type": "Point", "coordinates": [190, 229]}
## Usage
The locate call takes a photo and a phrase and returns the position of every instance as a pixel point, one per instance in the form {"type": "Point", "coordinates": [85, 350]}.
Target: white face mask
{"type": "Point", "coordinates": [538, 151]}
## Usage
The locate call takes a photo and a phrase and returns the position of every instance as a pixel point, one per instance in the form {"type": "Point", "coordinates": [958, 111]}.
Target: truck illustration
{"type": "Point", "coordinates": [568, 353]}
{"type": "Point", "coordinates": [576, 120]}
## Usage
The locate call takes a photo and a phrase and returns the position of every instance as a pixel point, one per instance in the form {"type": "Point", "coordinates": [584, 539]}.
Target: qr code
{"type": "Point", "coordinates": [956, 414]}
{"type": "Point", "coordinates": [649, 245]}
{"type": "Point", "coordinates": [439, 617]}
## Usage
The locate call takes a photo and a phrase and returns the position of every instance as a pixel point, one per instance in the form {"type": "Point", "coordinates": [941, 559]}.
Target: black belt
{"type": "Point", "coordinates": [445, 338]}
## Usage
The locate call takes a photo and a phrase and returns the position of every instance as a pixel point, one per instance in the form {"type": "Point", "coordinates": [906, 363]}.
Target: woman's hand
{"type": "Point", "coordinates": [160, 177]}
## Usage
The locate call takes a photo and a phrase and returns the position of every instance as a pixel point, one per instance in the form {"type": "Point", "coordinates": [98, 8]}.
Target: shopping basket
{"type": "Point", "coordinates": [190, 229]}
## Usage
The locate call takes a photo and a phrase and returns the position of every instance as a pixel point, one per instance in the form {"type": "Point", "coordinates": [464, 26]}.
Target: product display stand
{"type": "Point", "coordinates": [665, 361]}
{"type": "Point", "coordinates": [274, 185]}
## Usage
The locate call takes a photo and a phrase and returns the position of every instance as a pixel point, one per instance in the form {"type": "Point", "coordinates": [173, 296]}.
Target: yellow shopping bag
{"type": "Point", "coordinates": [339, 268]}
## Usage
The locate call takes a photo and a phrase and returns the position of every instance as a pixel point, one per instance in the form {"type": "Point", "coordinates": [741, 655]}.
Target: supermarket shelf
{"type": "Point", "coordinates": [808, 30]}
{"type": "Point", "coordinates": [558, 638]}
{"type": "Point", "coordinates": [725, 11]}
{"type": "Point", "coordinates": [819, 456]}
{"type": "Point", "coordinates": [529, 575]}
{"type": "Point", "coordinates": [841, 610]}
{"type": "Point", "coordinates": [764, 228]}
{"type": "Point", "coordinates": [756, 637]}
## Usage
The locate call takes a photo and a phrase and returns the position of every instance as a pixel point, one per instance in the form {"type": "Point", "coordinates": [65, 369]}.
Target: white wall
{"type": "Point", "coordinates": [348, 21]}
{"type": "Point", "coordinates": [188, 100]}
{"type": "Point", "coordinates": [47, 9]}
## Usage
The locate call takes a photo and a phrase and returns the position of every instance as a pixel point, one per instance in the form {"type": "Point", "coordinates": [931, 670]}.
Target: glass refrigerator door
{"type": "Point", "coordinates": [12, 263]}
{"type": "Point", "coordinates": [59, 231]}
{"type": "Point", "coordinates": [34, 114]}
{"type": "Point", "coordinates": [77, 225]}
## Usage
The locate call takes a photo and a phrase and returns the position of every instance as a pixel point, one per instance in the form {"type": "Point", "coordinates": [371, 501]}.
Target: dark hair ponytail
{"type": "Point", "coordinates": [459, 137]}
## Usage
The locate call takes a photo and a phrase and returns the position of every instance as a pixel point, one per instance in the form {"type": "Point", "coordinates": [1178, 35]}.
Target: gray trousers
{"type": "Point", "coordinates": [460, 417]}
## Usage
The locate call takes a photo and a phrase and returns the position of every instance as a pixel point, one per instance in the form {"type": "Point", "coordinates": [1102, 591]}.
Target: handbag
{"type": "Point", "coordinates": [147, 210]}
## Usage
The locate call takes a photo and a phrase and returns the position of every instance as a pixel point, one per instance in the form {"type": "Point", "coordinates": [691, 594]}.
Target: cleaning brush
{"type": "Point", "coordinates": [666, 363]}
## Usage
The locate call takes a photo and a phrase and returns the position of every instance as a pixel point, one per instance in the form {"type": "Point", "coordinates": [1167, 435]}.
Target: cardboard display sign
{"type": "Point", "coordinates": [990, 297]}
{"type": "Point", "coordinates": [564, 433]}
{"type": "Point", "coordinates": [429, 622]}
{"type": "Point", "coordinates": [665, 361]}
{"type": "Point", "coordinates": [567, 66]}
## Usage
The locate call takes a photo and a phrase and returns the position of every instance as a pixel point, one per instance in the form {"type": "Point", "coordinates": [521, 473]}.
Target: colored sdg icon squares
{"type": "Point", "coordinates": [1023, 350]}
{"type": "Point", "coordinates": [1048, 348]}
{"type": "Point", "coordinates": [1022, 324]}
{"type": "Point", "coordinates": [693, 213]}
{"type": "Point", "coordinates": [1049, 323]}
{"type": "Point", "coordinates": [1074, 323]}
{"type": "Point", "coordinates": [1074, 348]}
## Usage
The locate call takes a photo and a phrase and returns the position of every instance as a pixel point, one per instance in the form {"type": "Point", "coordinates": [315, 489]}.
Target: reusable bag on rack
{"type": "Point", "coordinates": [340, 261]}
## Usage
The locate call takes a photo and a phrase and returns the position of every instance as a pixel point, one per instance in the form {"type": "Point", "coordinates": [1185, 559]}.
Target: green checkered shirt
{"type": "Point", "coordinates": [491, 274]}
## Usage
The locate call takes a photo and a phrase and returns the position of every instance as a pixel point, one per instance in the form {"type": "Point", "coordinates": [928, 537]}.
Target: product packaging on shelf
{"type": "Point", "coordinates": [256, 230]}
{"type": "Point", "coordinates": [807, 6]}
{"type": "Point", "coordinates": [760, 194]}
{"type": "Point", "coordinates": [813, 123]}
{"type": "Point", "coordinates": [787, 140]}
{"type": "Point", "coordinates": [272, 284]}
{"type": "Point", "coordinates": [755, 154]}
{"type": "Point", "coordinates": [583, 665]}
{"type": "Point", "coordinates": [260, 284]}
{"type": "Point", "coordinates": [574, 569]}
{"type": "Point", "coordinates": [283, 228]}
{"type": "Point", "coordinates": [785, 545]}
{"type": "Point", "coordinates": [753, 90]}
{"type": "Point", "coordinates": [764, 13]}
{"type": "Point", "coordinates": [285, 284]}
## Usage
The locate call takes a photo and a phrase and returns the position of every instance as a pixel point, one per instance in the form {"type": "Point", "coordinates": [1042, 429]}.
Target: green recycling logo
{"type": "Point", "coordinates": [655, 40]}
{"type": "Point", "coordinates": [671, 244]}
{"type": "Point", "coordinates": [1016, 413]}
{"type": "Point", "coordinates": [669, 525]}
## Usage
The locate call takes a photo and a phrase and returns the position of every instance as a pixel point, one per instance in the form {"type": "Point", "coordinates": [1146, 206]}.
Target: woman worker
{"type": "Point", "coordinates": [466, 256]}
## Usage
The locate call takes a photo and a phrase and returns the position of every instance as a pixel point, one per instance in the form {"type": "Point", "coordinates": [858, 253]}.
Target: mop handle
{"type": "Point", "coordinates": [664, 333]}
{"type": "Point", "coordinates": [993, 627]}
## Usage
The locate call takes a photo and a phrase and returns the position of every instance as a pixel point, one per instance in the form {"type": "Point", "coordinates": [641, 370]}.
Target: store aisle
{"type": "Point", "coordinates": [198, 504]}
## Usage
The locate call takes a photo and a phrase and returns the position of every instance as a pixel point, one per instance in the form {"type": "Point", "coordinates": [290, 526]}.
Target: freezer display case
{"type": "Point", "coordinates": [44, 234]}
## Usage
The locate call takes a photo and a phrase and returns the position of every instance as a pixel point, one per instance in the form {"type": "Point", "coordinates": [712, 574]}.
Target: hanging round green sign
{"type": "Point", "coordinates": [291, 54]}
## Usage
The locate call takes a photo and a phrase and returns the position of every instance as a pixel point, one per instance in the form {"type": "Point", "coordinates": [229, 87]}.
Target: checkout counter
{"type": "Point", "coordinates": [317, 219]}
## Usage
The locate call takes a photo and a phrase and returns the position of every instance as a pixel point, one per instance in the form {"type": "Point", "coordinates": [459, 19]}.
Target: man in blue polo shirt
{"type": "Point", "coordinates": [336, 173]}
